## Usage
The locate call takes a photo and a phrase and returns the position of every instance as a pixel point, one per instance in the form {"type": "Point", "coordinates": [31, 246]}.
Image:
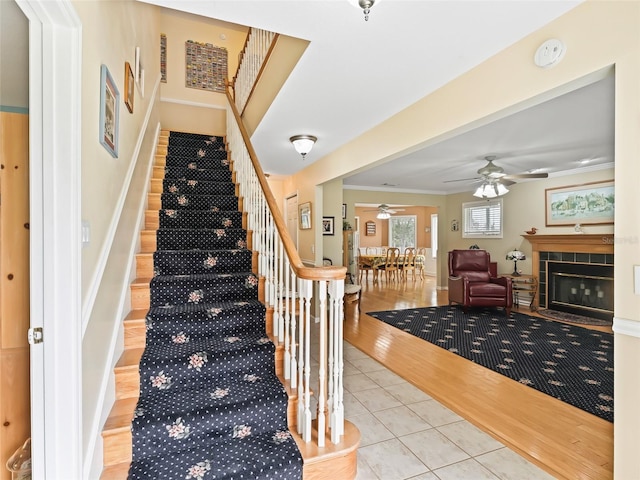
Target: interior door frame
{"type": "Point", "coordinates": [55, 81]}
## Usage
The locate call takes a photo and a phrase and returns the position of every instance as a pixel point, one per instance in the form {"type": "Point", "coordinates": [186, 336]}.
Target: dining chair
{"type": "Point", "coordinates": [364, 266]}
{"type": "Point", "coordinates": [422, 251]}
{"type": "Point", "coordinates": [390, 266]}
{"type": "Point", "coordinates": [408, 263]}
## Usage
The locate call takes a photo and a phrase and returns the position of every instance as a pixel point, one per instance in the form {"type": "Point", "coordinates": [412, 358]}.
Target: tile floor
{"type": "Point", "coordinates": [408, 435]}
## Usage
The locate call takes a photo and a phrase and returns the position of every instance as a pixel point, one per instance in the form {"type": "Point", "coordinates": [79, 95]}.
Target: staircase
{"type": "Point", "coordinates": [199, 387]}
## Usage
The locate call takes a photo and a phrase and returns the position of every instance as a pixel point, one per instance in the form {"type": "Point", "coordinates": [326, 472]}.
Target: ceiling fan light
{"type": "Point", "coordinates": [501, 189]}
{"type": "Point", "coordinates": [485, 190]}
{"type": "Point", "coordinates": [383, 215]}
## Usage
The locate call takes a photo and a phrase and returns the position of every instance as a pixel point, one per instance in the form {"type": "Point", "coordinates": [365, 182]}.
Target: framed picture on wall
{"type": "Point", "coordinates": [328, 225]}
{"type": "Point", "coordinates": [129, 82]}
{"type": "Point", "coordinates": [370, 228]}
{"type": "Point", "coordinates": [109, 112]}
{"type": "Point", "coordinates": [344, 210]}
{"type": "Point", "coordinates": [305, 215]}
{"type": "Point", "coordinates": [588, 204]}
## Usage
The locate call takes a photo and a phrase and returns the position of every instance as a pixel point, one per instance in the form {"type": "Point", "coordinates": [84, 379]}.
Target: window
{"type": "Point", "coordinates": [482, 219]}
{"type": "Point", "coordinates": [402, 231]}
{"type": "Point", "coordinates": [434, 235]}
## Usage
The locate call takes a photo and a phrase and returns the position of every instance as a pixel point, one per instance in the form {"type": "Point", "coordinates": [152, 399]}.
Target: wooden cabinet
{"type": "Point", "coordinates": [14, 285]}
{"type": "Point", "coordinates": [348, 253]}
{"type": "Point", "coordinates": [525, 290]}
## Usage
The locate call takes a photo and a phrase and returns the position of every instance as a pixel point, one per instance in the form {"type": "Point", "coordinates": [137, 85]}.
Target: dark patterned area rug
{"type": "Point", "coordinates": [570, 363]}
{"type": "Point", "coordinates": [573, 318]}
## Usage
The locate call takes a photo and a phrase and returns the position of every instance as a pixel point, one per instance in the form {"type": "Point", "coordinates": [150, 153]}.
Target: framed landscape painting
{"type": "Point", "coordinates": [587, 204]}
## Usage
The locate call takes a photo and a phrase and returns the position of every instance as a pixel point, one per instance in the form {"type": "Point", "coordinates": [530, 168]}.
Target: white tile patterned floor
{"type": "Point", "coordinates": [408, 435]}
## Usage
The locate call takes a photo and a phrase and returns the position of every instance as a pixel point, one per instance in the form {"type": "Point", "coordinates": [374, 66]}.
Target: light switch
{"type": "Point", "coordinates": [636, 279]}
{"type": "Point", "coordinates": [86, 233]}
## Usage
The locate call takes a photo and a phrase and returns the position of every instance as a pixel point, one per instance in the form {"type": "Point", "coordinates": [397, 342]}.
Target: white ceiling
{"type": "Point", "coordinates": [356, 74]}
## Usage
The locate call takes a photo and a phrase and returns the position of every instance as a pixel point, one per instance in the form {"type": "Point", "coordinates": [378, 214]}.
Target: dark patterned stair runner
{"type": "Point", "coordinates": [211, 405]}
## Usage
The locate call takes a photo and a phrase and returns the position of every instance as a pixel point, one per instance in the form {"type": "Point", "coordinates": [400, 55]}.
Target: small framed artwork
{"type": "Point", "coordinates": [109, 112]}
{"type": "Point", "coordinates": [328, 225]}
{"type": "Point", "coordinates": [139, 72]}
{"type": "Point", "coordinates": [587, 204]}
{"type": "Point", "coordinates": [370, 228]}
{"type": "Point", "coordinates": [305, 216]}
{"type": "Point", "coordinates": [129, 85]}
{"type": "Point", "coordinates": [344, 210]}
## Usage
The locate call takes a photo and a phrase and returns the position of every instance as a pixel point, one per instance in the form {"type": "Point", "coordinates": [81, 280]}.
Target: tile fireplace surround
{"type": "Point", "coordinates": [578, 248]}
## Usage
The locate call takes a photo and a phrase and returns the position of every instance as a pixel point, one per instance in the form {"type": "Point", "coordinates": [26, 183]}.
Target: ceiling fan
{"type": "Point", "coordinates": [385, 211]}
{"type": "Point", "coordinates": [494, 174]}
{"type": "Point", "coordinates": [383, 207]}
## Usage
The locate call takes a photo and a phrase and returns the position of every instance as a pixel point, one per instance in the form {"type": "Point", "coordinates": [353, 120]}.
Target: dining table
{"type": "Point", "coordinates": [377, 260]}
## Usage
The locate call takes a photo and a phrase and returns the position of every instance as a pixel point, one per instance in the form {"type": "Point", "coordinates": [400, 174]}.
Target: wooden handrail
{"type": "Point", "coordinates": [301, 271]}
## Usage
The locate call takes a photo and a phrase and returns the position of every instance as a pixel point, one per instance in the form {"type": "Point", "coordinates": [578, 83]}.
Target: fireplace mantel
{"type": "Point", "coordinates": [576, 242]}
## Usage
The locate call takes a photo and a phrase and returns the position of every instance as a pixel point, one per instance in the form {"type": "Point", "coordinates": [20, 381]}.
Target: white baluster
{"type": "Point", "coordinates": [336, 290]}
{"type": "Point", "coordinates": [286, 296]}
{"type": "Point", "coordinates": [294, 357]}
{"type": "Point", "coordinates": [322, 362]}
{"type": "Point", "coordinates": [306, 289]}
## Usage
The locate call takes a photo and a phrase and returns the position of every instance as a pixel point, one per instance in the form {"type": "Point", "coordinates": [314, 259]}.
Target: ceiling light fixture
{"type": "Point", "coordinates": [303, 143]}
{"type": "Point", "coordinates": [383, 216]}
{"type": "Point", "coordinates": [490, 190]}
{"type": "Point", "coordinates": [366, 5]}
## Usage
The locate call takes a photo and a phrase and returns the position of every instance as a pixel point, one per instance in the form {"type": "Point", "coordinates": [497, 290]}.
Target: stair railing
{"type": "Point", "coordinates": [251, 61]}
{"type": "Point", "coordinates": [290, 287]}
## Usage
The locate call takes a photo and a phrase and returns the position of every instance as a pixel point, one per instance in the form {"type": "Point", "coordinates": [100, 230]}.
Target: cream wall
{"type": "Point", "coordinates": [106, 41]}
{"type": "Point", "coordinates": [523, 208]}
{"type": "Point", "coordinates": [332, 244]}
{"type": "Point", "coordinates": [191, 109]}
{"type": "Point", "coordinates": [598, 35]}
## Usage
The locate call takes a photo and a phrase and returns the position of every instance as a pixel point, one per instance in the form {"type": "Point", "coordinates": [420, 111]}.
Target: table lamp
{"type": "Point", "coordinates": [515, 255]}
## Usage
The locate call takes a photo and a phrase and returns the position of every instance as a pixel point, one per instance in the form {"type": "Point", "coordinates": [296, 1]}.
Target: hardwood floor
{"type": "Point", "coordinates": [563, 440]}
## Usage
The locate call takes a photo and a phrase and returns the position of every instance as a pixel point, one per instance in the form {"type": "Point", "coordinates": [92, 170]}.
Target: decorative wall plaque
{"type": "Point", "coordinates": [206, 66]}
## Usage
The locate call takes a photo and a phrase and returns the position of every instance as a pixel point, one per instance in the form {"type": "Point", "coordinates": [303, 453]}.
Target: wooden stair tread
{"type": "Point", "coordinates": [130, 357]}
{"type": "Point", "coordinates": [119, 471]}
{"type": "Point", "coordinates": [121, 415]}
{"type": "Point", "coordinates": [136, 315]}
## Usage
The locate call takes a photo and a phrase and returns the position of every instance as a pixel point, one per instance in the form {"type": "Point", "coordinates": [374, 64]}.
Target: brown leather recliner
{"type": "Point", "coordinates": [471, 283]}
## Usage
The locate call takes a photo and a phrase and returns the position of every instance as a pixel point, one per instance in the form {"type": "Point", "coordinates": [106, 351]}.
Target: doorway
{"type": "Point", "coordinates": [291, 214]}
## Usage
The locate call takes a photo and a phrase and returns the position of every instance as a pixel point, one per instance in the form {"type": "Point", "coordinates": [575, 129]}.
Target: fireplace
{"type": "Point", "coordinates": [580, 288]}
{"type": "Point", "coordinates": [583, 262]}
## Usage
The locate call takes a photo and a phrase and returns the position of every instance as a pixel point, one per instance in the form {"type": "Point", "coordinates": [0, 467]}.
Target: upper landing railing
{"type": "Point", "coordinates": [251, 61]}
{"type": "Point", "coordinates": [292, 289]}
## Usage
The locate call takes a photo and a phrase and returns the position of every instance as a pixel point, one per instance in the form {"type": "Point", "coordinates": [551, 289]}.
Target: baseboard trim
{"type": "Point", "coordinates": [627, 327]}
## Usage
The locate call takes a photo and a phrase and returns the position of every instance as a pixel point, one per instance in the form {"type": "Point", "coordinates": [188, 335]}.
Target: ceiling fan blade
{"type": "Point", "coordinates": [527, 175]}
{"type": "Point", "coordinates": [462, 180]}
{"type": "Point", "coordinates": [506, 182]}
